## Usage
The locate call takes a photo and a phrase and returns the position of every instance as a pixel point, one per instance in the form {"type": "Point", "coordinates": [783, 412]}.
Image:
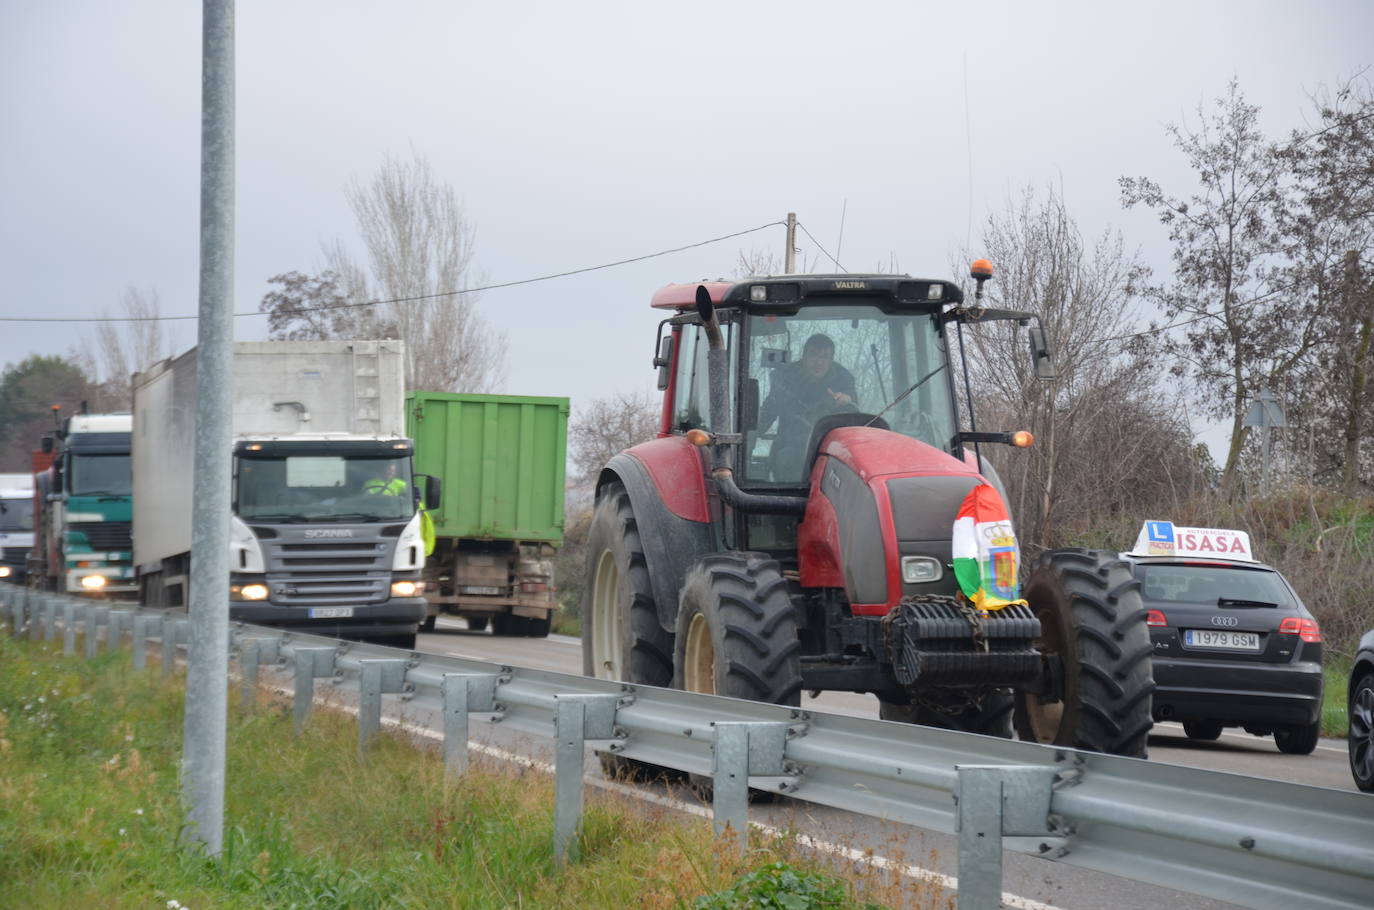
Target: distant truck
{"type": "Point", "coordinates": [16, 526]}
{"type": "Point", "coordinates": [82, 503]}
{"type": "Point", "coordinates": [325, 531]}
{"type": "Point", "coordinates": [502, 460]}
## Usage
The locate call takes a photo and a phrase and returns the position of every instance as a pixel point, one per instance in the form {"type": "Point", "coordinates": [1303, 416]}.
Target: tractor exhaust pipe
{"type": "Point", "coordinates": [717, 362]}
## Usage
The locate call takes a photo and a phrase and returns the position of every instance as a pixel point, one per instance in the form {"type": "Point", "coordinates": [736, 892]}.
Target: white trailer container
{"type": "Point", "coordinates": [325, 531]}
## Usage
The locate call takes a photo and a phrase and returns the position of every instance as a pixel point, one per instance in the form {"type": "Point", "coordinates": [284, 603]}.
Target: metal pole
{"type": "Point", "coordinates": [207, 659]}
{"type": "Point", "coordinates": [790, 257]}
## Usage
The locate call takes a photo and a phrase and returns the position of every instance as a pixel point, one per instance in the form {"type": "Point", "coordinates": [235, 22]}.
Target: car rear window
{"type": "Point", "coordinates": [1206, 584]}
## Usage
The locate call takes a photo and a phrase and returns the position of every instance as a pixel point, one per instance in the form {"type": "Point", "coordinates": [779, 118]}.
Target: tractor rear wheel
{"type": "Point", "coordinates": [1092, 625]}
{"type": "Point", "coordinates": [737, 631]}
{"type": "Point", "coordinates": [990, 717]}
{"type": "Point", "coordinates": [621, 636]}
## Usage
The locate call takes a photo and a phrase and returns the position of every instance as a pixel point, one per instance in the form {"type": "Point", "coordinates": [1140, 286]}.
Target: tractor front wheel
{"type": "Point", "coordinates": [737, 631]}
{"type": "Point", "coordinates": [1092, 628]}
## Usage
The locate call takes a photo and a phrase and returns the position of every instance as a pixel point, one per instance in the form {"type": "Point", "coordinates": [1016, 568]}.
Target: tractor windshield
{"type": "Point", "coordinates": [836, 359]}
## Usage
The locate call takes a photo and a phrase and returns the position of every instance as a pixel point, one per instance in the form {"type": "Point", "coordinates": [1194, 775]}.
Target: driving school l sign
{"type": "Point", "coordinates": [1162, 538]}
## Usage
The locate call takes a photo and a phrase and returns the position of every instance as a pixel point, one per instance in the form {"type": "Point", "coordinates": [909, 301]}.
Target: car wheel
{"type": "Point", "coordinates": [1300, 740]}
{"type": "Point", "coordinates": [1361, 740]}
{"type": "Point", "coordinates": [1205, 730]}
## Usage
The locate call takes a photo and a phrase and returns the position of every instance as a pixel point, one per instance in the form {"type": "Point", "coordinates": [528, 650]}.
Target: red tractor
{"type": "Point", "coordinates": [811, 517]}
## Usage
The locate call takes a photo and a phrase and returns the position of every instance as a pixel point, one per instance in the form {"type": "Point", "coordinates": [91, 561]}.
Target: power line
{"type": "Point", "coordinates": [343, 306]}
{"type": "Point", "coordinates": [821, 248]}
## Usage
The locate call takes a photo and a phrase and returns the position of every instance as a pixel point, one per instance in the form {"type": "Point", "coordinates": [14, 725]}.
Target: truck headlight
{"type": "Point", "coordinates": [93, 582]}
{"type": "Point", "coordinates": [248, 592]}
{"type": "Point", "coordinates": [4, 571]}
{"type": "Point", "coordinates": [407, 588]}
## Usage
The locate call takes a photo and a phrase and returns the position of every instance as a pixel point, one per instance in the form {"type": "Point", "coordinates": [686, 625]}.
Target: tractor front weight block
{"type": "Point", "coordinates": [936, 641]}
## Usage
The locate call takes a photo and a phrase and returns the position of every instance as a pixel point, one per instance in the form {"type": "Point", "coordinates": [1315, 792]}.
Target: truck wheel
{"type": "Point", "coordinates": [737, 631]}
{"type": "Point", "coordinates": [622, 639]}
{"type": "Point", "coordinates": [506, 624]}
{"type": "Point", "coordinates": [477, 623]}
{"type": "Point", "coordinates": [428, 624]}
{"type": "Point", "coordinates": [538, 628]}
{"type": "Point", "coordinates": [992, 716]}
{"type": "Point", "coordinates": [1299, 740]}
{"type": "Point", "coordinates": [1092, 628]}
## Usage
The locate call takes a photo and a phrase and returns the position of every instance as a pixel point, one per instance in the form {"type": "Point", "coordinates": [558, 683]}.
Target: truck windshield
{"type": "Point", "coordinates": [100, 475]}
{"type": "Point", "coordinates": [836, 359]}
{"type": "Point", "coordinates": [16, 514]}
{"type": "Point", "coordinates": [296, 488]}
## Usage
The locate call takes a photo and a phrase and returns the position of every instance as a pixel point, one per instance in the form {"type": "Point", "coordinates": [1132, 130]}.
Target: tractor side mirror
{"type": "Point", "coordinates": [663, 361]}
{"type": "Point", "coordinates": [1041, 360]}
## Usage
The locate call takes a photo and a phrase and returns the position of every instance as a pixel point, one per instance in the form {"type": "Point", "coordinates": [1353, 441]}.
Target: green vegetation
{"type": "Point", "coordinates": [1335, 719]}
{"type": "Point", "coordinates": [90, 815]}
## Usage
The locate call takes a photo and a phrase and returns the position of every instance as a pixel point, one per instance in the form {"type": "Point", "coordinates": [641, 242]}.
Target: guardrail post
{"type": "Point", "coordinates": [378, 675]}
{"type": "Point", "coordinates": [68, 627]}
{"type": "Point", "coordinates": [253, 652]}
{"type": "Point", "coordinates": [50, 619]}
{"type": "Point", "coordinates": [579, 718]}
{"type": "Point", "coordinates": [118, 620]}
{"type": "Point", "coordinates": [174, 632]}
{"type": "Point", "coordinates": [311, 664]}
{"type": "Point", "coordinates": [996, 801]}
{"type": "Point", "coordinates": [463, 693]}
{"type": "Point", "coordinates": [36, 605]}
{"type": "Point", "coordinates": [95, 617]}
{"type": "Point", "coordinates": [742, 749]}
{"type": "Point", "coordinates": [142, 628]}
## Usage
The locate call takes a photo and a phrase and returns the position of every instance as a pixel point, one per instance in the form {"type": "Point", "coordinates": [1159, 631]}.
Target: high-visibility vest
{"type": "Point", "coordinates": [393, 487]}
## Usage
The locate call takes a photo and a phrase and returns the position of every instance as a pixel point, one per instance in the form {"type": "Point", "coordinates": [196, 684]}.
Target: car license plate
{"type": "Point", "coordinates": [1220, 638]}
{"type": "Point", "coordinates": [331, 612]}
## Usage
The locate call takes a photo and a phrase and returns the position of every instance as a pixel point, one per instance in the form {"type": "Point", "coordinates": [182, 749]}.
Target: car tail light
{"type": "Point", "coordinates": [1306, 629]}
{"type": "Point", "coordinates": [1156, 618]}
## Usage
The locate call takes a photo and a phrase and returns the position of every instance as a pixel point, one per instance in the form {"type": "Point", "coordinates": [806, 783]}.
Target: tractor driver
{"type": "Point", "coordinates": [799, 394]}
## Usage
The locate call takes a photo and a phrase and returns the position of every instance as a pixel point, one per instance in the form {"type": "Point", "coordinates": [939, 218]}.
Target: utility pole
{"type": "Point", "coordinates": [207, 661]}
{"type": "Point", "coordinates": [790, 259]}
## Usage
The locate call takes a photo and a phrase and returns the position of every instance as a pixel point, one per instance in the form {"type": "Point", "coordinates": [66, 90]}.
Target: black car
{"type": "Point", "coordinates": [1361, 706]}
{"type": "Point", "coordinates": [1233, 647]}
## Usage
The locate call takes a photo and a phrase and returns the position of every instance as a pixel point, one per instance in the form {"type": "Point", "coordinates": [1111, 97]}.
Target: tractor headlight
{"type": "Point", "coordinates": [919, 570]}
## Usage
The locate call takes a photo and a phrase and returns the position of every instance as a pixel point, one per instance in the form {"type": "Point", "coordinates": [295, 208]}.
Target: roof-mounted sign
{"type": "Point", "coordinates": [1163, 538]}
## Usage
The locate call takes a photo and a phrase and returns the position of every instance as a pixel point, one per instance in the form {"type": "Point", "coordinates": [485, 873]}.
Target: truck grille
{"type": "Point", "coordinates": [105, 535]}
{"type": "Point", "coordinates": [327, 573]}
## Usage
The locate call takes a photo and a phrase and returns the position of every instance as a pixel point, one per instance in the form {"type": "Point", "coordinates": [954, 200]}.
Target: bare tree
{"type": "Point", "coordinates": [608, 426]}
{"type": "Point", "coordinates": [1240, 331]}
{"type": "Point", "coordinates": [1088, 461]}
{"type": "Point", "coordinates": [757, 263]}
{"type": "Point", "coordinates": [315, 307]}
{"type": "Point", "coordinates": [419, 253]}
{"type": "Point", "coordinates": [1328, 234]}
{"type": "Point", "coordinates": [121, 349]}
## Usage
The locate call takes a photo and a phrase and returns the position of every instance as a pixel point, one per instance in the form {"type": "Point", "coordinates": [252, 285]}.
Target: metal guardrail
{"type": "Point", "coordinates": [1265, 844]}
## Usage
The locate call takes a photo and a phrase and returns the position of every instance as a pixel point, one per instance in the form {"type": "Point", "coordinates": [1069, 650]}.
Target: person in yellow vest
{"type": "Point", "coordinates": [387, 483]}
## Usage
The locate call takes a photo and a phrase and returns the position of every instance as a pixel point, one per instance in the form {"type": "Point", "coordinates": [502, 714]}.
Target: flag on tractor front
{"type": "Point", "coordinates": [985, 551]}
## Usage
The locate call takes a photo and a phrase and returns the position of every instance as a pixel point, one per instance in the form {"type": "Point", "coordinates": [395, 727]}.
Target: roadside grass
{"type": "Point", "coordinates": [1335, 721]}
{"type": "Point", "coordinates": [565, 623]}
{"type": "Point", "coordinates": [90, 815]}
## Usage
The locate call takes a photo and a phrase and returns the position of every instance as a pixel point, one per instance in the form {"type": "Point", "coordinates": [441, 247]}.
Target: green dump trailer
{"type": "Point", "coordinates": [501, 460]}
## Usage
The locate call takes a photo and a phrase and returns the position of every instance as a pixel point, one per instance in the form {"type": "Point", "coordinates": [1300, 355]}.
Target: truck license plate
{"type": "Point", "coordinates": [331, 612]}
{"type": "Point", "coordinates": [1218, 638]}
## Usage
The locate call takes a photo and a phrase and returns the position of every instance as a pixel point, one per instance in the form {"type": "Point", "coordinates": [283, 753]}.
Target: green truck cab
{"type": "Point", "coordinates": [501, 459]}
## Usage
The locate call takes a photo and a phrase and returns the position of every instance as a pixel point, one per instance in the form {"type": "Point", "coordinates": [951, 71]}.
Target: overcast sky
{"type": "Point", "coordinates": [579, 133]}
